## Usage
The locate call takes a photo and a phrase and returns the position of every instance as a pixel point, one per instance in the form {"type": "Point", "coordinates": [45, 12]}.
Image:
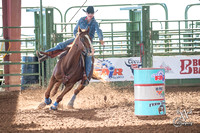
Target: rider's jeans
{"type": "Point", "coordinates": [61, 45]}
{"type": "Point", "coordinates": [88, 64]}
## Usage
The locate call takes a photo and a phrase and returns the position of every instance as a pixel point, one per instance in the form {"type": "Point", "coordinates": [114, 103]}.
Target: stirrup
{"type": "Point", "coordinates": [86, 82]}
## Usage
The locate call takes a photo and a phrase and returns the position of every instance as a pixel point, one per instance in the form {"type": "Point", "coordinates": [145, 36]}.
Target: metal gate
{"type": "Point", "coordinates": [29, 61]}
{"type": "Point", "coordinates": [181, 38]}
{"type": "Point", "coordinates": [122, 38]}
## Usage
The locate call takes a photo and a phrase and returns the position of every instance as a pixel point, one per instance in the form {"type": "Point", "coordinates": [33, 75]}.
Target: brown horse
{"type": "Point", "coordinates": [69, 70]}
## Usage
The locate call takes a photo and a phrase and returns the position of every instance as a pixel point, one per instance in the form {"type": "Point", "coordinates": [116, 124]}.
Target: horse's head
{"type": "Point", "coordinates": [83, 40]}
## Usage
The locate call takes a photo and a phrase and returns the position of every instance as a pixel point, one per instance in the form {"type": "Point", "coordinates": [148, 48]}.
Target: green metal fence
{"type": "Point", "coordinates": [31, 43]}
{"type": "Point", "coordinates": [117, 38]}
{"type": "Point", "coordinates": [121, 37]}
{"type": "Point", "coordinates": [28, 48]}
{"type": "Point", "coordinates": [178, 39]}
{"type": "Point", "coordinates": [181, 38]}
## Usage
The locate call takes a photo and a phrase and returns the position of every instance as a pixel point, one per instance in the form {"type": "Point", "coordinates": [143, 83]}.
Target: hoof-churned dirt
{"type": "Point", "coordinates": [99, 108]}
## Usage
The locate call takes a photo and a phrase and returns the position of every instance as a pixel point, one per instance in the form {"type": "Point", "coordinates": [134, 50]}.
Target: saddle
{"type": "Point", "coordinates": [63, 52]}
{"type": "Point", "coordinates": [66, 78]}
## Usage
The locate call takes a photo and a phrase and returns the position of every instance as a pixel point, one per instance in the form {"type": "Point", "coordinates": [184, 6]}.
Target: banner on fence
{"type": "Point", "coordinates": [116, 69]}
{"type": "Point", "coordinates": [122, 69]}
{"type": "Point", "coordinates": [178, 67]}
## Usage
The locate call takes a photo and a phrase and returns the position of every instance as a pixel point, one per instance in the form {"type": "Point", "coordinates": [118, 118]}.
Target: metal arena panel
{"type": "Point", "coordinates": [160, 38]}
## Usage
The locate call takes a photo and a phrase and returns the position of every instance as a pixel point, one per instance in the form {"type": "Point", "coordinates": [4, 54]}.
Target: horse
{"type": "Point", "coordinates": [69, 70]}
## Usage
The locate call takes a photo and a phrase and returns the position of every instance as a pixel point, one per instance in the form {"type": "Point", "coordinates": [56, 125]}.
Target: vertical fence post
{"type": "Point", "coordinates": [41, 37]}
{"type": "Point", "coordinates": [12, 18]}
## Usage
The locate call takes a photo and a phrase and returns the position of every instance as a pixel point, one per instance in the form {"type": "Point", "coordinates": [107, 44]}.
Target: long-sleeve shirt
{"type": "Point", "coordinates": [93, 24]}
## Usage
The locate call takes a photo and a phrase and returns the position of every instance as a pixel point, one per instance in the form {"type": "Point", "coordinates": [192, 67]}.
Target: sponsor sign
{"type": "Point", "coordinates": [116, 69]}
{"type": "Point", "coordinates": [178, 67]}
{"type": "Point", "coordinates": [122, 69]}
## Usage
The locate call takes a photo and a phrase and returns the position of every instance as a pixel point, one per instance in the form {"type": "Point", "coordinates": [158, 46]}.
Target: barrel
{"type": "Point", "coordinates": [149, 91]}
{"type": "Point", "coordinates": [29, 68]}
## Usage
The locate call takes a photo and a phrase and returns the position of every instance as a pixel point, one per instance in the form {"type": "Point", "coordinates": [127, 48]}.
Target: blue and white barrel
{"type": "Point", "coordinates": [149, 91]}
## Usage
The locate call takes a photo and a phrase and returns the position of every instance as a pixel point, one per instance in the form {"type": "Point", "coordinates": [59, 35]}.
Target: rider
{"type": "Point", "coordinates": [84, 23]}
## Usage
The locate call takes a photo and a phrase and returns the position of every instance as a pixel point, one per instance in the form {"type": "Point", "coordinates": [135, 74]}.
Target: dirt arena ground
{"type": "Point", "coordinates": [94, 114]}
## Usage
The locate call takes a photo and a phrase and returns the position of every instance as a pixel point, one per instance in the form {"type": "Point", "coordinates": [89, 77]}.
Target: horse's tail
{"type": "Point", "coordinates": [97, 77]}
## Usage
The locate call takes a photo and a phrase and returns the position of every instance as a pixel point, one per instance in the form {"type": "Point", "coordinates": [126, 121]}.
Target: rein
{"type": "Point", "coordinates": [74, 15]}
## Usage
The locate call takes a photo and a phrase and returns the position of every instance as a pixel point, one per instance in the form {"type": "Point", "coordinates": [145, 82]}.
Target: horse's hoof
{"type": "Point", "coordinates": [53, 108]}
{"type": "Point", "coordinates": [42, 105]}
{"type": "Point", "coordinates": [48, 101]}
{"type": "Point", "coordinates": [70, 106]}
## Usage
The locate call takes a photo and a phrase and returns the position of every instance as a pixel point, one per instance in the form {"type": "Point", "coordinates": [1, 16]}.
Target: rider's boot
{"type": "Point", "coordinates": [41, 57]}
{"type": "Point", "coordinates": [86, 82]}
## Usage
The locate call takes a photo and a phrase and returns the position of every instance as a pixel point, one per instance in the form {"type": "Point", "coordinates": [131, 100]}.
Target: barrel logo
{"type": "Point", "coordinates": [159, 76]}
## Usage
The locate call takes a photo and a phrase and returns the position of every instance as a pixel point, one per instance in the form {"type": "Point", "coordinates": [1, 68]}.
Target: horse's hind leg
{"type": "Point", "coordinates": [47, 93]}
{"type": "Point", "coordinates": [68, 87]}
{"type": "Point", "coordinates": [76, 91]}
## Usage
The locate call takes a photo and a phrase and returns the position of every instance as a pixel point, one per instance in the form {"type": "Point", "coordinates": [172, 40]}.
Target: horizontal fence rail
{"type": "Point", "coordinates": [121, 40]}
{"type": "Point", "coordinates": [28, 49]}
{"type": "Point", "coordinates": [117, 38]}
{"type": "Point", "coordinates": [177, 40]}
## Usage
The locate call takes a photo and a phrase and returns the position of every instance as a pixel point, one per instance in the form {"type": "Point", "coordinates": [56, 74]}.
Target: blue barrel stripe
{"type": "Point", "coordinates": [147, 76]}
{"type": "Point", "coordinates": [150, 108]}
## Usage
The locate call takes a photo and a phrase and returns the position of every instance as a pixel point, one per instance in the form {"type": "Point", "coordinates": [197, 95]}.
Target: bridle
{"type": "Point", "coordinates": [87, 50]}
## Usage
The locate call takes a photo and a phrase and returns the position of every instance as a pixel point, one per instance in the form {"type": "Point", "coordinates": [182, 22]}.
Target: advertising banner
{"type": "Point", "coordinates": [116, 69]}
{"type": "Point", "coordinates": [122, 69]}
{"type": "Point", "coordinates": [178, 67]}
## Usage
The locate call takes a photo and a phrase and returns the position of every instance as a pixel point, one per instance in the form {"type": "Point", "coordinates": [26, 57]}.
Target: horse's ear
{"type": "Point", "coordinates": [79, 29]}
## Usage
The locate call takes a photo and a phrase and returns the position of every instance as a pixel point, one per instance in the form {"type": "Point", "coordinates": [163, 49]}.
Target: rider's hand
{"type": "Point", "coordinates": [102, 42]}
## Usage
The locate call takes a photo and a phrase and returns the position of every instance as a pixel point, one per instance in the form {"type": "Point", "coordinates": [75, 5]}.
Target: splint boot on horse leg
{"type": "Point", "coordinates": [53, 52]}
{"type": "Point", "coordinates": [47, 100]}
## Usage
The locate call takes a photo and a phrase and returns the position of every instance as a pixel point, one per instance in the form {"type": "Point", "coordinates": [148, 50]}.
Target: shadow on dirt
{"type": "Point", "coordinates": [8, 104]}
{"type": "Point", "coordinates": [167, 128]}
{"type": "Point", "coordinates": [86, 114]}
{"type": "Point", "coordinates": [196, 111]}
{"type": "Point", "coordinates": [160, 117]}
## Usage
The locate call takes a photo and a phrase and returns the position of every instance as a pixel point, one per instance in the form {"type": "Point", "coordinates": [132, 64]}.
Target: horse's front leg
{"type": "Point", "coordinates": [76, 91]}
{"type": "Point", "coordinates": [55, 89]}
{"type": "Point", "coordinates": [47, 93]}
{"type": "Point", "coordinates": [68, 87]}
